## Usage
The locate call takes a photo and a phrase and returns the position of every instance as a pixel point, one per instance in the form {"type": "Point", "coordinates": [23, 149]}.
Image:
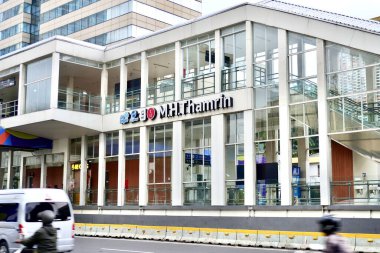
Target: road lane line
{"type": "Point", "coordinates": [125, 250]}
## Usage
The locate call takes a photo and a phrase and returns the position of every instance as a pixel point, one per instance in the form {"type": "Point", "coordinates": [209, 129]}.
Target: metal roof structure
{"type": "Point", "coordinates": [371, 26]}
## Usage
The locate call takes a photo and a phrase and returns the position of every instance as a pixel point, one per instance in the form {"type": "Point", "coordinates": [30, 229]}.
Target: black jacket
{"type": "Point", "coordinates": [45, 238]}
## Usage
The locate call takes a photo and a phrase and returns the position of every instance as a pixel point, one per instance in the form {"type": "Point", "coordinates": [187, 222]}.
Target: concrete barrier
{"type": "Point", "coordinates": [246, 237]}
{"type": "Point", "coordinates": [367, 243]}
{"type": "Point", "coordinates": [150, 232]}
{"type": "Point", "coordinates": [208, 235]}
{"type": "Point", "coordinates": [115, 230]}
{"type": "Point", "coordinates": [128, 231]}
{"type": "Point", "coordinates": [102, 230]}
{"type": "Point", "coordinates": [226, 236]}
{"type": "Point", "coordinates": [90, 230]}
{"type": "Point", "coordinates": [190, 234]}
{"type": "Point", "coordinates": [314, 241]}
{"type": "Point", "coordinates": [291, 240]}
{"type": "Point", "coordinates": [173, 234]}
{"type": "Point", "coordinates": [268, 238]}
{"type": "Point", "coordinates": [80, 228]}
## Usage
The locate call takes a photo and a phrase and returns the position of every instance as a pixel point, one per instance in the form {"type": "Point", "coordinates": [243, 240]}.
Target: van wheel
{"type": "Point", "coordinates": [4, 247]}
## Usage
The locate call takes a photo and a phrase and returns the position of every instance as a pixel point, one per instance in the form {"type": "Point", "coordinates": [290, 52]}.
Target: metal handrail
{"type": "Point", "coordinates": [92, 197]}
{"type": "Point", "coordinates": [133, 99]}
{"type": "Point", "coordinates": [268, 194]}
{"type": "Point", "coordinates": [230, 79]}
{"type": "Point", "coordinates": [81, 101]}
{"type": "Point", "coordinates": [161, 91]}
{"type": "Point", "coordinates": [110, 197]}
{"type": "Point", "coordinates": [131, 196]}
{"type": "Point", "coordinates": [202, 193]}
{"type": "Point", "coordinates": [355, 192]}
{"type": "Point", "coordinates": [159, 194]}
{"type": "Point", "coordinates": [112, 104]}
{"type": "Point", "coordinates": [9, 109]}
{"type": "Point", "coordinates": [235, 195]}
{"type": "Point", "coordinates": [74, 196]}
{"type": "Point", "coordinates": [189, 84]}
{"type": "Point", "coordinates": [309, 194]}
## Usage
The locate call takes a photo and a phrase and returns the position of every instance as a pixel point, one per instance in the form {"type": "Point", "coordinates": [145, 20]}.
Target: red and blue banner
{"type": "Point", "coordinates": [16, 139]}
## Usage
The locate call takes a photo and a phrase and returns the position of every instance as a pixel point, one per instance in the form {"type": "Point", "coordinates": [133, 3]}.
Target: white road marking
{"type": "Point", "coordinates": [125, 250]}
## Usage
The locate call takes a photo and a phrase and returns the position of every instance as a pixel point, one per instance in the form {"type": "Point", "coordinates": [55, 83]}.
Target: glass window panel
{"type": "Point", "coordinates": [259, 42]}
{"type": "Point", "coordinates": [336, 110]}
{"type": "Point", "coordinates": [230, 162]}
{"type": "Point", "coordinates": [151, 169]}
{"type": "Point", "coordinates": [231, 128]}
{"type": "Point", "coordinates": [228, 50]}
{"type": "Point", "coordinates": [303, 65]}
{"type": "Point", "coordinates": [207, 164]}
{"type": "Point", "coordinates": [240, 127]}
{"type": "Point", "coordinates": [240, 47]}
{"type": "Point", "coordinates": [197, 138]}
{"type": "Point", "coordinates": [188, 134]}
{"type": "Point", "coordinates": [341, 58]}
{"type": "Point", "coordinates": [311, 118]}
{"type": "Point", "coordinates": [159, 167]}
{"type": "Point", "coordinates": [261, 124]}
{"type": "Point", "coordinates": [151, 139]}
{"type": "Point", "coordinates": [38, 70]}
{"type": "Point", "coordinates": [159, 138]}
{"type": "Point", "coordinates": [168, 166]}
{"type": "Point", "coordinates": [371, 110]}
{"type": "Point", "coordinates": [207, 132]}
{"type": "Point", "coordinates": [297, 120]}
{"type": "Point", "coordinates": [204, 57]}
{"type": "Point", "coordinates": [168, 137]}
{"type": "Point", "coordinates": [273, 123]}
{"type": "Point", "coordinates": [352, 107]}
{"type": "Point", "coordinates": [299, 43]}
{"type": "Point", "coordinates": [136, 141]}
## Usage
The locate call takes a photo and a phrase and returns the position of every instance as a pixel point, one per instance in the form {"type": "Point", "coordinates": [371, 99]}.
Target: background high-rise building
{"type": "Point", "coordinates": [102, 22]}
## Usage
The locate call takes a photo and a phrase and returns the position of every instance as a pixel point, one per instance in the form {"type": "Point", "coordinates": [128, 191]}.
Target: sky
{"type": "Point", "coordinates": [365, 9]}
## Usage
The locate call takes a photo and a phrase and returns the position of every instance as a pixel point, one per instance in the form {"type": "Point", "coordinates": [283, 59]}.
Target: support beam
{"type": "Point", "coordinates": [54, 81]}
{"type": "Point", "coordinates": [143, 167]}
{"type": "Point", "coordinates": [123, 83]}
{"type": "Point", "coordinates": [177, 166]}
{"type": "Point", "coordinates": [144, 78]}
{"type": "Point", "coordinates": [218, 62]}
{"type": "Point", "coordinates": [249, 159]}
{"type": "Point", "coordinates": [121, 170]}
{"type": "Point", "coordinates": [83, 171]}
{"type": "Point", "coordinates": [178, 71]}
{"type": "Point", "coordinates": [285, 162]}
{"type": "Point", "coordinates": [21, 90]}
{"type": "Point", "coordinates": [104, 89]}
{"type": "Point", "coordinates": [323, 122]}
{"type": "Point", "coordinates": [101, 169]}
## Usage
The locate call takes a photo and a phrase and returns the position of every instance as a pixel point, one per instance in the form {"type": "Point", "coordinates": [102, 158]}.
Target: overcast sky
{"type": "Point", "coordinates": [357, 8]}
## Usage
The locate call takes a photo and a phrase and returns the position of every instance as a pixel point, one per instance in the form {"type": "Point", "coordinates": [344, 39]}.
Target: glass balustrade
{"type": "Point", "coordinates": [79, 101]}
{"type": "Point", "coordinates": [356, 192]}
{"type": "Point", "coordinates": [161, 91]}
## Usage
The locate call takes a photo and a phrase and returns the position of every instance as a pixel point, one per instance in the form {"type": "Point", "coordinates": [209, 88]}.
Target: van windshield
{"type": "Point", "coordinates": [61, 209]}
{"type": "Point", "coordinates": [8, 212]}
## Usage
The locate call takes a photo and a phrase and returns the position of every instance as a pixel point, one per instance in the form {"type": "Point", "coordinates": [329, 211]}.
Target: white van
{"type": "Point", "coordinates": [18, 216]}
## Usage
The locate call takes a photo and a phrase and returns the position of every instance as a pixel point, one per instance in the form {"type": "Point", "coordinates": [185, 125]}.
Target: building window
{"type": "Point", "coordinates": [267, 132]}
{"type": "Point", "coordinates": [234, 45]}
{"type": "Point", "coordinates": [75, 149]}
{"type": "Point", "coordinates": [198, 66]}
{"type": "Point", "coordinates": [38, 82]}
{"type": "Point", "coordinates": [132, 151]}
{"type": "Point", "coordinates": [303, 94]}
{"type": "Point", "coordinates": [197, 162]}
{"type": "Point", "coordinates": [235, 159]}
{"type": "Point", "coordinates": [112, 144]}
{"type": "Point", "coordinates": [160, 160]}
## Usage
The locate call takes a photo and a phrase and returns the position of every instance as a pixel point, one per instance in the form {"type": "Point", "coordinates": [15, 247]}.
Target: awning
{"type": "Point", "coordinates": [16, 139]}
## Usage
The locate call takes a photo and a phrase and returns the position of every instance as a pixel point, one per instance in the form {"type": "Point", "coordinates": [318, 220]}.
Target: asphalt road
{"type": "Point", "coordinates": [107, 245]}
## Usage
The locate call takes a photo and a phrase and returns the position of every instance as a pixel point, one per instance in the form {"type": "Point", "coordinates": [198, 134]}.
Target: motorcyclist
{"type": "Point", "coordinates": [335, 243]}
{"type": "Point", "coordinates": [45, 237]}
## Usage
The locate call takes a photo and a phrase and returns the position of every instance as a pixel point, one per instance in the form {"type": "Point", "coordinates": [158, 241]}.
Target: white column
{"type": "Point", "coordinates": [178, 71]}
{"type": "Point", "coordinates": [22, 172]}
{"type": "Point", "coordinates": [144, 78]}
{"type": "Point", "coordinates": [323, 121]}
{"type": "Point", "coordinates": [249, 53]}
{"type": "Point", "coordinates": [218, 161]}
{"type": "Point", "coordinates": [83, 171]}
{"type": "Point", "coordinates": [69, 94]}
{"type": "Point", "coordinates": [22, 90]}
{"type": "Point", "coordinates": [54, 81]}
{"type": "Point", "coordinates": [285, 162]}
{"type": "Point", "coordinates": [104, 88]}
{"type": "Point", "coordinates": [9, 168]}
{"type": "Point", "coordinates": [101, 168]}
{"type": "Point", "coordinates": [43, 172]}
{"type": "Point", "coordinates": [143, 167]}
{"type": "Point", "coordinates": [177, 163]}
{"type": "Point", "coordinates": [121, 169]}
{"type": "Point", "coordinates": [123, 83]}
{"type": "Point", "coordinates": [66, 167]}
{"type": "Point", "coordinates": [249, 159]}
{"type": "Point", "coordinates": [218, 62]}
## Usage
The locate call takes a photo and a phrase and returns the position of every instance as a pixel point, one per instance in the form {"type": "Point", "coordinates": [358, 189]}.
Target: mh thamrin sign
{"type": "Point", "coordinates": [178, 109]}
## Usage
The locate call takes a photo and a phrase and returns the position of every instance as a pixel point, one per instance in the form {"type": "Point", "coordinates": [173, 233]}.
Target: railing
{"type": "Point", "coordinates": [110, 197]}
{"type": "Point", "coordinates": [305, 87]}
{"type": "Point", "coordinates": [306, 194]}
{"type": "Point", "coordinates": [92, 197]}
{"type": "Point", "coordinates": [268, 194]}
{"type": "Point", "coordinates": [112, 104]}
{"type": "Point", "coordinates": [131, 196]}
{"type": "Point", "coordinates": [74, 196]}
{"type": "Point", "coordinates": [159, 194]}
{"type": "Point", "coordinates": [161, 92]}
{"type": "Point", "coordinates": [198, 85]}
{"type": "Point", "coordinates": [9, 109]}
{"type": "Point", "coordinates": [233, 78]}
{"type": "Point", "coordinates": [362, 192]}
{"type": "Point", "coordinates": [235, 195]}
{"type": "Point", "coordinates": [200, 194]}
{"type": "Point", "coordinates": [132, 99]}
{"type": "Point", "coordinates": [78, 101]}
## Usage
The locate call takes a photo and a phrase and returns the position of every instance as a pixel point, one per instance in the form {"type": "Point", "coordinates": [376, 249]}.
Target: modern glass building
{"type": "Point", "coordinates": [266, 104]}
{"type": "Point", "coordinates": [102, 22]}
